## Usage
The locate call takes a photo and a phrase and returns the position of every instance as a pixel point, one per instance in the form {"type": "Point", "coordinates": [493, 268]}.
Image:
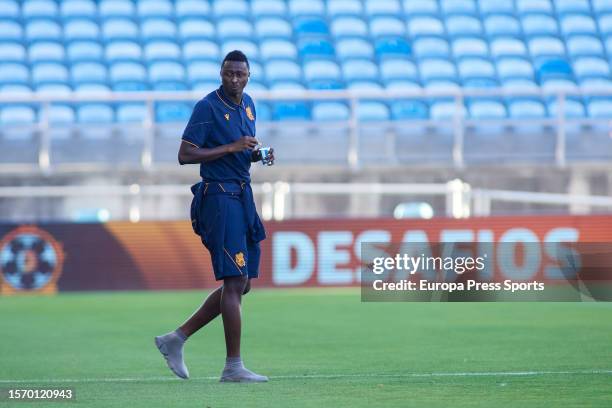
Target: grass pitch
{"type": "Point", "coordinates": [321, 348]}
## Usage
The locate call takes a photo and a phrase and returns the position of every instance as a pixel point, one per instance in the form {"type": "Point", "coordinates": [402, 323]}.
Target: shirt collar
{"type": "Point", "coordinates": [227, 100]}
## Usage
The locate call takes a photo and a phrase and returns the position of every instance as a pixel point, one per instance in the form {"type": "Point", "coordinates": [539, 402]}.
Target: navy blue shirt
{"type": "Point", "coordinates": [216, 121]}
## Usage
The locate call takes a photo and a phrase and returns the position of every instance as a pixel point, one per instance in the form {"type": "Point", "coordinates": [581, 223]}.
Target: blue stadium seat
{"type": "Point", "coordinates": [298, 8]}
{"type": "Point", "coordinates": [354, 48]}
{"type": "Point", "coordinates": [39, 9]}
{"type": "Point", "coordinates": [463, 25]}
{"type": "Point", "coordinates": [81, 29]}
{"type": "Point", "coordinates": [196, 29]}
{"type": "Point", "coordinates": [349, 27]}
{"type": "Point", "coordinates": [495, 7]}
{"type": "Point", "coordinates": [277, 49]}
{"type": "Point", "coordinates": [392, 47]}
{"type": "Point", "coordinates": [514, 68]}
{"type": "Point", "coordinates": [337, 8]}
{"type": "Point", "coordinates": [127, 72]}
{"type": "Point", "coordinates": [425, 47]}
{"type": "Point", "coordinates": [387, 26]}
{"type": "Point", "coordinates": [605, 24]}
{"type": "Point", "coordinates": [12, 52]}
{"type": "Point", "coordinates": [437, 69]}
{"type": "Point", "coordinates": [158, 29]}
{"type": "Point", "coordinates": [465, 7]}
{"type": "Point", "coordinates": [553, 68]}
{"type": "Point", "coordinates": [398, 69]}
{"type": "Point", "coordinates": [227, 8]}
{"type": "Point", "coordinates": [17, 115]}
{"type": "Point", "coordinates": [533, 6]}
{"type": "Point", "coordinates": [584, 45]}
{"type": "Point", "coordinates": [49, 72]}
{"type": "Point", "coordinates": [310, 26]}
{"type": "Point", "coordinates": [209, 86]}
{"type": "Point", "coordinates": [372, 111]}
{"type": "Point", "coordinates": [170, 86]}
{"type": "Point", "coordinates": [330, 111]}
{"type": "Point", "coordinates": [578, 24]}
{"type": "Point", "coordinates": [61, 114]}
{"type": "Point", "coordinates": [596, 84]}
{"type": "Point", "coordinates": [359, 69]}
{"type": "Point", "coordinates": [12, 73]}
{"type": "Point", "coordinates": [600, 109]}
{"type": "Point", "coordinates": [119, 29]}
{"type": "Point", "coordinates": [253, 86]}
{"type": "Point", "coordinates": [203, 71]}
{"type": "Point", "coordinates": [572, 6]}
{"type": "Point", "coordinates": [166, 71]}
{"type": "Point", "coordinates": [248, 47]}
{"type": "Point", "coordinates": [256, 70]}
{"type": "Point", "coordinates": [480, 83]}
{"type": "Point", "coordinates": [325, 84]}
{"type": "Point", "coordinates": [409, 110]}
{"type": "Point", "coordinates": [155, 8]}
{"type": "Point", "coordinates": [95, 113]}
{"type": "Point", "coordinates": [573, 109]}
{"type": "Point", "coordinates": [546, 47]}
{"type": "Point", "coordinates": [168, 112]}
{"type": "Point", "coordinates": [602, 6]}
{"type": "Point", "coordinates": [263, 113]}
{"type": "Point", "coordinates": [382, 8]}
{"type": "Point", "coordinates": [130, 86]}
{"type": "Point", "coordinates": [53, 89]}
{"type": "Point", "coordinates": [557, 85]}
{"type": "Point", "coordinates": [192, 8]}
{"type": "Point", "coordinates": [46, 51]}
{"type": "Point", "coordinates": [475, 68]}
{"type": "Point", "coordinates": [78, 9]}
{"type": "Point", "coordinates": [283, 70]}
{"type": "Point", "coordinates": [10, 31]}
{"type": "Point", "coordinates": [502, 24]}
{"type": "Point", "coordinates": [425, 26]}
{"type": "Point", "coordinates": [486, 109]}
{"type": "Point", "coordinates": [123, 51]}
{"type": "Point", "coordinates": [162, 51]}
{"type": "Point", "coordinates": [526, 108]}
{"type": "Point", "coordinates": [234, 27]}
{"type": "Point", "coordinates": [116, 8]}
{"type": "Point", "coordinates": [271, 27]}
{"type": "Point", "coordinates": [284, 111]}
{"type": "Point", "coordinates": [470, 47]}
{"type": "Point", "coordinates": [198, 50]}
{"type": "Point", "coordinates": [92, 88]}
{"type": "Point", "coordinates": [539, 24]}
{"type": "Point", "coordinates": [441, 110]}
{"type": "Point", "coordinates": [287, 85]}
{"type": "Point", "coordinates": [9, 10]}
{"type": "Point", "coordinates": [43, 30]}
{"type": "Point", "coordinates": [131, 112]}
{"type": "Point", "coordinates": [591, 67]}
{"type": "Point", "coordinates": [83, 72]}
{"type": "Point", "coordinates": [268, 8]}
{"type": "Point", "coordinates": [316, 48]}
{"type": "Point", "coordinates": [84, 51]}
{"type": "Point", "coordinates": [364, 85]}
{"type": "Point", "coordinates": [18, 89]}
{"type": "Point", "coordinates": [321, 70]}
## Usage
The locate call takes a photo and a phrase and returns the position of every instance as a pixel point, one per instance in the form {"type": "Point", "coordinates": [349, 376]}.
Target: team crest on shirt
{"type": "Point", "coordinates": [240, 259]}
{"type": "Point", "coordinates": [226, 116]}
{"type": "Point", "coordinates": [249, 113]}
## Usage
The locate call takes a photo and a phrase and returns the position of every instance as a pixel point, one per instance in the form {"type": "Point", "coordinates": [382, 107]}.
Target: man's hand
{"type": "Point", "coordinates": [244, 143]}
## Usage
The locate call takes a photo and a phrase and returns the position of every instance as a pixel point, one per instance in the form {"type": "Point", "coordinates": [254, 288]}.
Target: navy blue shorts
{"type": "Point", "coordinates": [224, 231]}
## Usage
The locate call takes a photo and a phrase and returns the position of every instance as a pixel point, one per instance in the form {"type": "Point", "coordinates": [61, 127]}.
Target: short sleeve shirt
{"type": "Point", "coordinates": [216, 121]}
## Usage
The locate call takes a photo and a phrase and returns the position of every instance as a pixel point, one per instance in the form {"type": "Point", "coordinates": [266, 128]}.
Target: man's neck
{"type": "Point", "coordinates": [237, 99]}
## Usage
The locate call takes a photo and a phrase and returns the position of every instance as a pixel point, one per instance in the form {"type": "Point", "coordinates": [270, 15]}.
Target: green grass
{"type": "Point", "coordinates": [348, 353]}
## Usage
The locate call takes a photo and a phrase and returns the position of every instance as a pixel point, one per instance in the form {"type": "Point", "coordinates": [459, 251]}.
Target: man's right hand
{"type": "Point", "coordinates": [244, 143]}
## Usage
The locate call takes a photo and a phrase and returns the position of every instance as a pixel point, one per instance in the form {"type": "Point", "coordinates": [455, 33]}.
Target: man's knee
{"type": "Point", "coordinates": [247, 287]}
{"type": "Point", "coordinates": [235, 284]}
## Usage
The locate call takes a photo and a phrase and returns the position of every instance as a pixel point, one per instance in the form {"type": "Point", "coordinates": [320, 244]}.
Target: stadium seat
{"type": "Point", "coordinates": [602, 6]}
{"type": "Point", "coordinates": [131, 112]}
{"type": "Point", "coordinates": [277, 49]}
{"type": "Point", "coordinates": [123, 51]}
{"type": "Point", "coordinates": [43, 30]}
{"type": "Point", "coordinates": [502, 24]}
{"type": "Point", "coordinates": [578, 24]}
{"type": "Point", "coordinates": [584, 45]}
{"type": "Point", "coordinates": [514, 68]}
{"type": "Point", "coordinates": [196, 29]}
{"type": "Point", "coordinates": [596, 84]}
{"type": "Point", "coordinates": [600, 109]}
{"type": "Point", "coordinates": [359, 69]}
{"type": "Point", "coordinates": [558, 85]}
{"type": "Point", "coordinates": [155, 8]}
{"type": "Point", "coordinates": [12, 52]}
{"type": "Point", "coordinates": [480, 83]}
{"type": "Point", "coordinates": [31, 9]}
{"type": "Point", "coordinates": [316, 48]}
{"type": "Point", "coordinates": [398, 69]}
{"type": "Point", "coordinates": [325, 84]}
{"type": "Point", "coordinates": [271, 27]}
{"type": "Point", "coordinates": [573, 109]}
{"type": "Point", "coordinates": [268, 8]}
{"type": "Point", "coordinates": [130, 86]}
{"type": "Point", "coordinates": [227, 8]}
{"type": "Point", "coordinates": [496, 6]}
{"type": "Point", "coordinates": [170, 86]}
{"type": "Point", "coordinates": [192, 8]}
{"type": "Point", "coordinates": [553, 68]}
{"type": "Point", "coordinates": [17, 89]}
{"type": "Point", "coordinates": [283, 111]}
{"type": "Point", "coordinates": [88, 72]}
{"type": "Point", "coordinates": [370, 111]}
{"type": "Point", "coordinates": [116, 8]}
{"type": "Point", "coordinates": [470, 47]}
{"type": "Point", "coordinates": [81, 29]}
{"type": "Point", "coordinates": [201, 50]}
{"type": "Point", "coordinates": [546, 47]}
{"type": "Point", "coordinates": [426, 47]}
{"type": "Point", "coordinates": [364, 85]}
{"type": "Point", "coordinates": [234, 27]}
{"type": "Point", "coordinates": [605, 24]}
{"type": "Point", "coordinates": [282, 70]}
{"type": "Point", "coordinates": [53, 89]}
{"type": "Point", "coordinates": [539, 24]}
{"type": "Point", "coordinates": [44, 51]}
{"type": "Point", "coordinates": [61, 114]}
{"type": "Point", "coordinates": [12, 73]}
{"type": "Point", "coordinates": [209, 86]}
{"type": "Point", "coordinates": [91, 88]}
{"type": "Point", "coordinates": [349, 27]}
{"type": "Point", "coordinates": [485, 109]}
{"type": "Point", "coordinates": [10, 31]}
{"type": "Point", "coordinates": [9, 10]}
{"type": "Point", "coordinates": [409, 110]}
{"type": "Point", "coordinates": [321, 70]}
{"type": "Point", "coordinates": [287, 85]}
{"type": "Point", "coordinates": [95, 113]}
{"type": "Point", "coordinates": [78, 9]}
{"type": "Point", "coordinates": [330, 111]}
{"type": "Point", "coordinates": [533, 6]}
{"type": "Point", "coordinates": [127, 72]}
{"type": "Point", "coordinates": [299, 8]}
{"type": "Point", "coordinates": [84, 51]}
{"type": "Point", "coordinates": [158, 29]}
{"type": "Point", "coordinates": [464, 7]}
{"type": "Point", "coordinates": [437, 69]}
{"type": "Point", "coordinates": [162, 51]}
{"type": "Point", "coordinates": [203, 71]}
{"type": "Point", "coordinates": [17, 115]}
{"type": "Point", "coordinates": [526, 108]}
{"type": "Point", "coordinates": [119, 29]}
{"type": "Point", "coordinates": [442, 110]}
{"type": "Point", "coordinates": [336, 8]}
{"type": "Point", "coordinates": [572, 6]}
{"type": "Point", "coordinates": [256, 70]}
{"type": "Point", "coordinates": [392, 47]}
{"type": "Point", "coordinates": [591, 67]}
{"type": "Point", "coordinates": [425, 26]}
{"type": "Point", "coordinates": [463, 25]}
{"type": "Point", "coordinates": [475, 68]}
{"type": "Point", "coordinates": [387, 26]}
{"type": "Point", "coordinates": [310, 26]}
{"type": "Point", "coordinates": [166, 71]}
{"type": "Point", "coordinates": [248, 47]}
{"type": "Point", "coordinates": [354, 48]}
{"type": "Point", "coordinates": [49, 72]}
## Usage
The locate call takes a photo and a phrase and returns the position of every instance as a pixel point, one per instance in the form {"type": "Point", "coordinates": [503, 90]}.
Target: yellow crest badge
{"type": "Point", "coordinates": [249, 113]}
{"type": "Point", "coordinates": [226, 116]}
{"type": "Point", "coordinates": [240, 259]}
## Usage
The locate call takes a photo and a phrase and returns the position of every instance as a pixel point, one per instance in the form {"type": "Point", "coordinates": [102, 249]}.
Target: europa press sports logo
{"type": "Point", "coordinates": [31, 260]}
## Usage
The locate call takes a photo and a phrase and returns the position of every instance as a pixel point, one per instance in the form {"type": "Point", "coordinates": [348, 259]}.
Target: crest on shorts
{"type": "Point", "coordinates": [249, 113]}
{"type": "Point", "coordinates": [226, 116]}
{"type": "Point", "coordinates": [240, 259]}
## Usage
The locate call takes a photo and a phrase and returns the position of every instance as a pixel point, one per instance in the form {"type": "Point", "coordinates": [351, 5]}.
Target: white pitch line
{"type": "Point", "coordinates": [320, 376]}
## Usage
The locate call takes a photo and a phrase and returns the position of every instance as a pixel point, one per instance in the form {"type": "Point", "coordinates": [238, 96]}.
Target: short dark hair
{"type": "Point", "coordinates": [236, 55]}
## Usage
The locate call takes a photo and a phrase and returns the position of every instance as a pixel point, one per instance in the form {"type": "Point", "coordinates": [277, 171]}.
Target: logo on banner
{"type": "Point", "coordinates": [31, 260]}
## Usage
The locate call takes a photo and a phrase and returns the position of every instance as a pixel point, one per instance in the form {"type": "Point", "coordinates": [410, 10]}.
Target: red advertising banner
{"type": "Point", "coordinates": [167, 255]}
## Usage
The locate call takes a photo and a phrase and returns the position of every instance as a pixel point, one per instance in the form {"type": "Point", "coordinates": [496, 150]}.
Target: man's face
{"type": "Point", "coordinates": [234, 77]}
